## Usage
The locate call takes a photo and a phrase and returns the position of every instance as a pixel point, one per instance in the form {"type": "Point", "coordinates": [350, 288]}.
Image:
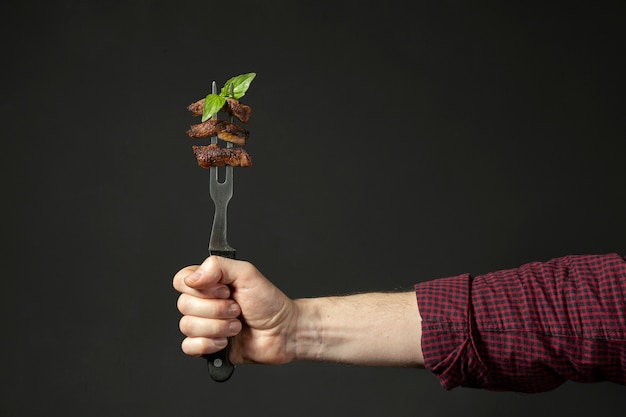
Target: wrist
{"type": "Point", "coordinates": [381, 329]}
{"type": "Point", "coordinates": [307, 341]}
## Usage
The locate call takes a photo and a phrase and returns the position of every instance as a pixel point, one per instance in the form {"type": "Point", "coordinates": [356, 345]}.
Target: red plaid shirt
{"type": "Point", "coordinates": [528, 329]}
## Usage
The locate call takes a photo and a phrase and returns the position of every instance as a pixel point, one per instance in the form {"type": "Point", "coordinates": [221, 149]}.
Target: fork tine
{"type": "Point", "coordinates": [232, 118]}
{"type": "Point", "coordinates": [228, 178]}
{"type": "Point", "coordinates": [214, 91]}
{"type": "Point", "coordinates": [221, 193]}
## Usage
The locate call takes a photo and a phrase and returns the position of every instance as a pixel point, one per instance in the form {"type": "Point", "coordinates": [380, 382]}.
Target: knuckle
{"type": "Point", "coordinates": [196, 346]}
{"type": "Point", "coordinates": [248, 268]}
{"type": "Point", "coordinates": [196, 327]}
{"type": "Point", "coordinates": [192, 346]}
{"type": "Point", "coordinates": [186, 348]}
{"type": "Point", "coordinates": [185, 325]}
{"type": "Point", "coordinates": [177, 281]}
{"type": "Point", "coordinates": [183, 303]}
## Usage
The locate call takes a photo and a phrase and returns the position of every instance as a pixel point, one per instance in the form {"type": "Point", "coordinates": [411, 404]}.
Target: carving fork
{"type": "Point", "coordinates": [218, 363]}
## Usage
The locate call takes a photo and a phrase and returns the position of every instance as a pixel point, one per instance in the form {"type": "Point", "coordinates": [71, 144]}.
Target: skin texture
{"type": "Point", "coordinates": [229, 298]}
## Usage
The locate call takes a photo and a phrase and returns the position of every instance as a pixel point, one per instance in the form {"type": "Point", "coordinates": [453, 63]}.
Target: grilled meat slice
{"type": "Point", "coordinates": [232, 106]}
{"type": "Point", "coordinates": [230, 132]}
{"type": "Point", "coordinates": [213, 155]}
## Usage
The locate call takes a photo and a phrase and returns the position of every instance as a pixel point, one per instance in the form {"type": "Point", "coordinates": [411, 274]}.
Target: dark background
{"type": "Point", "coordinates": [393, 142]}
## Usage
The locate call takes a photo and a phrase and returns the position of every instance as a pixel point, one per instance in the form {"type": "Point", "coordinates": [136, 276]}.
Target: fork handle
{"type": "Point", "coordinates": [219, 365]}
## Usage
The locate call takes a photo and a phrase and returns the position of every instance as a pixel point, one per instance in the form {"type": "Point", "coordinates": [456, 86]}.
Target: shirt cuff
{"type": "Point", "coordinates": [447, 342]}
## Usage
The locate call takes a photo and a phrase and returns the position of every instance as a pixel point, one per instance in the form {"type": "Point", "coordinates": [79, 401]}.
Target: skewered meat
{"type": "Point", "coordinates": [230, 132]}
{"type": "Point", "coordinates": [213, 155]}
{"type": "Point", "coordinates": [232, 106]}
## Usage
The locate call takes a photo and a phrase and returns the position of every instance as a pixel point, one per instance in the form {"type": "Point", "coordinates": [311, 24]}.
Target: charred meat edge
{"type": "Point", "coordinates": [213, 155]}
{"type": "Point", "coordinates": [230, 132]}
{"type": "Point", "coordinates": [232, 106]}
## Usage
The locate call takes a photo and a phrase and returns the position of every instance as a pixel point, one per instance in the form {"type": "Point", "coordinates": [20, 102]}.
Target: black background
{"type": "Point", "coordinates": [392, 143]}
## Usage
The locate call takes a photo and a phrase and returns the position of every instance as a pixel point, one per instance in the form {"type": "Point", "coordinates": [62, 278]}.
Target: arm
{"type": "Point", "coordinates": [363, 329]}
{"type": "Point", "coordinates": [227, 298]}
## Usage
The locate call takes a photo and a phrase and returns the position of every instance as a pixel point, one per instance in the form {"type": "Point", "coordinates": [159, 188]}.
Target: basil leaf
{"type": "Point", "coordinates": [240, 83]}
{"type": "Point", "coordinates": [212, 104]}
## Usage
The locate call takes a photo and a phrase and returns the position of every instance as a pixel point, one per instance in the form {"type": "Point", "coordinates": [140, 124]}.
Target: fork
{"type": "Point", "coordinates": [219, 365]}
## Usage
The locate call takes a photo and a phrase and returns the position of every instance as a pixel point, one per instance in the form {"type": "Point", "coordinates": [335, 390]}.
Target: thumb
{"type": "Point", "coordinates": [211, 272]}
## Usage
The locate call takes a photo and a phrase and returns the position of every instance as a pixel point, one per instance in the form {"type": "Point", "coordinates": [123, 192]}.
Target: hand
{"type": "Point", "coordinates": [229, 298]}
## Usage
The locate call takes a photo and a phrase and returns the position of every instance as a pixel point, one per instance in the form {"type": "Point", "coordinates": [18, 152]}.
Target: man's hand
{"type": "Point", "coordinates": [229, 298]}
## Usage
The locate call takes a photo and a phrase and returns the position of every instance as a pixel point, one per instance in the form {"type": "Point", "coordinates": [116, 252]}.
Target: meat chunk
{"type": "Point", "coordinates": [232, 106]}
{"type": "Point", "coordinates": [213, 155]}
{"type": "Point", "coordinates": [224, 130]}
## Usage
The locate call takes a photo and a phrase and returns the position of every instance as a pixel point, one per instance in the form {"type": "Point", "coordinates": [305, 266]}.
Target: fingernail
{"type": "Point", "coordinates": [234, 326]}
{"type": "Point", "coordinates": [223, 292]}
{"type": "Point", "coordinates": [220, 343]}
{"type": "Point", "coordinates": [193, 277]}
{"type": "Point", "coordinates": [233, 310]}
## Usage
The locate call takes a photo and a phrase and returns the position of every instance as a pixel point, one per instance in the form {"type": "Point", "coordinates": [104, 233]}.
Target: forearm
{"type": "Point", "coordinates": [382, 329]}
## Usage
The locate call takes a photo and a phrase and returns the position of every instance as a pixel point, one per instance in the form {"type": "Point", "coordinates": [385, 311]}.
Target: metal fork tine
{"type": "Point", "coordinates": [228, 178]}
{"type": "Point", "coordinates": [221, 193]}
{"type": "Point", "coordinates": [232, 118]}
{"type": "Point", "coordinates": [214, 91]}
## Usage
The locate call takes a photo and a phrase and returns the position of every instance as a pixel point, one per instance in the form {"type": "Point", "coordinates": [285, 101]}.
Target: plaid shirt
{"type": "Point", "coordinates": [528, 329]}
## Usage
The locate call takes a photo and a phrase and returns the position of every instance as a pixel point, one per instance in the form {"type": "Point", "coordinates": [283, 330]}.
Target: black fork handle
{"type": "Point", "coordinates": [219, 364]}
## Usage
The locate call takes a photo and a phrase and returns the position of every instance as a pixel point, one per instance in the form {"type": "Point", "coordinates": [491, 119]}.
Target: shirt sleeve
{"type": "Point", "coordinates": [528, 329]}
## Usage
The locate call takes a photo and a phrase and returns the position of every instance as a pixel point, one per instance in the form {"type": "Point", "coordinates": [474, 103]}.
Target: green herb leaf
{"type": "Point", "coordinates": [212, 104]}
{"type": "Point", "coordinates": [240, 83]}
